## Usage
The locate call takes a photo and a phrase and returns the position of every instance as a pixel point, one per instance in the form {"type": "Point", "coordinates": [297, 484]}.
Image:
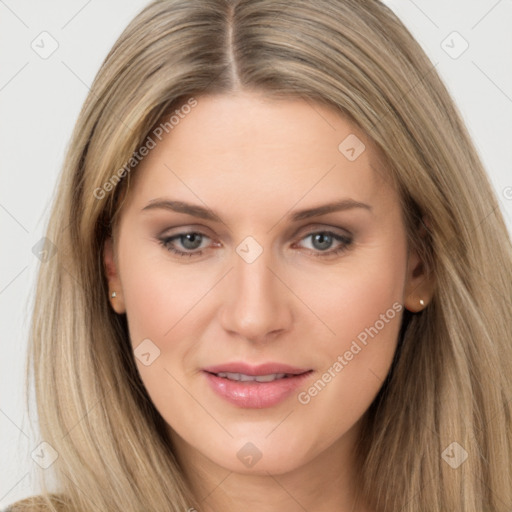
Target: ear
{"type": "Point", "coordinates": [419, 284]}
{"type": "Point", "coordinates": [112, 274]}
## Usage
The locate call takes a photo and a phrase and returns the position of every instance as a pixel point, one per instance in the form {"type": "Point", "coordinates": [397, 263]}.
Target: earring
{"type": "Point", "coordinates": [422, 302]}
{"type": "Point", "coordinates": [113, 295]}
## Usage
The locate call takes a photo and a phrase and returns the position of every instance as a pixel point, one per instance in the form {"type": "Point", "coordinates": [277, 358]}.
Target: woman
{"type": "Point", "coordinates": [339, 338]}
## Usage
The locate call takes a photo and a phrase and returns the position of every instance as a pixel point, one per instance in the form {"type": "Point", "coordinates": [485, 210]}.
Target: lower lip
{"type": "Point", "coordinates": [255, 395]}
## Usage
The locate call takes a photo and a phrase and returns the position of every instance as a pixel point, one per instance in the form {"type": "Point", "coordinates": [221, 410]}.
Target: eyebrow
{"type": "Point", "coordinates": [207, 214]}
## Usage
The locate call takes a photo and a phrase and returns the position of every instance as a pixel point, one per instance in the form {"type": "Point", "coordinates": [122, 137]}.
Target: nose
{"type": "Point", "coordinates": [259, 304]}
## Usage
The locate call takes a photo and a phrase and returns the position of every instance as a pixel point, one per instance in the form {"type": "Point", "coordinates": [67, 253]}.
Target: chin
{"type": "Point", "coordinates": [258, 457]}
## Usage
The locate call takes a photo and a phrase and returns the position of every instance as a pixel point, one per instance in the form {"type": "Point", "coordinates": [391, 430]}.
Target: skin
{"type": "Point", "coordinates": [254, 160]}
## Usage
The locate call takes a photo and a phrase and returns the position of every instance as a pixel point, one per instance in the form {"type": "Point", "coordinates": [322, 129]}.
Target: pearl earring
{"type": "Point", "coordinates": [113, 295]}
{"type": "Point", "coordinates": [422, 302]}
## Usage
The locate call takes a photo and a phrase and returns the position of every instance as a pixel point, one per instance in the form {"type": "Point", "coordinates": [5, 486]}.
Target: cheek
{"type": "Point", "coordinates": [162, 305]}
{"type": "Point", "coordinates": [363, 307]}
{"type": "Point", "coordinates": [159, 295]}
{"type": "Point", "coordinates": [353, 295]}
{"type": "Point", "coordinates": [368, 323]}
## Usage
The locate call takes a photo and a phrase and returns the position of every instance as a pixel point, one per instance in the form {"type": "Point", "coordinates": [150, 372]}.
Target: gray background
{"type": "Point", "coordinates": [40, 99]}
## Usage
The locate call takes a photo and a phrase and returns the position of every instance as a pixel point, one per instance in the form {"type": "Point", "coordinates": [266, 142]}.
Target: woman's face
{"type": "Point", "coordinates": [262, 281]}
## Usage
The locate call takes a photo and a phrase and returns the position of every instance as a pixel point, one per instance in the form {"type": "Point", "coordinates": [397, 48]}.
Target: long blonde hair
{"type": "Point", "coordinates": [450, 381]}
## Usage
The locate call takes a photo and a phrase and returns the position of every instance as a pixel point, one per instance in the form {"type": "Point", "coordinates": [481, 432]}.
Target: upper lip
{"type": "Point", "coordinates": [260, 369]}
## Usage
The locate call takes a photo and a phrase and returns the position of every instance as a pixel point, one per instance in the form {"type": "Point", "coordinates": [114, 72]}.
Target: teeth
{"type": "Point", "coordinates": [258, 378]}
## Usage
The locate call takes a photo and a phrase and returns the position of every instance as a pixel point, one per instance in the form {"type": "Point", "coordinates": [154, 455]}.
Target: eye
{"type": "Point", "coordinates": [323, 240]}
{"type": "Point", "coordinates": [191, 241]}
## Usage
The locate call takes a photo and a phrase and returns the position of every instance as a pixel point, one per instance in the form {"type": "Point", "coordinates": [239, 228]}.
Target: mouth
{"type": "Point", "coordinates": [241, 377]}
{"type": "Point", "coordinates": [232, 369]}
{"type": "Point", "coordinates": [255, 387]}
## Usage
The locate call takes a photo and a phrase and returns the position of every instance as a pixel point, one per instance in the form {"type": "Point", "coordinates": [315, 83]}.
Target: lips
{"type": "Point", "coordinates": [259, 386]}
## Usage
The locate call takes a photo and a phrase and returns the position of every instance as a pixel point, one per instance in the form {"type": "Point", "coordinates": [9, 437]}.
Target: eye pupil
{"type": "Point", "coordinates": [196, 240]}
{"type": "Point", "coordinates": [322, 237]}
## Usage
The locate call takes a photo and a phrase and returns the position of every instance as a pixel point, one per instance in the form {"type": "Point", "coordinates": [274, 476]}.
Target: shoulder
{"type": "Point", "coordinates": [41, 503]}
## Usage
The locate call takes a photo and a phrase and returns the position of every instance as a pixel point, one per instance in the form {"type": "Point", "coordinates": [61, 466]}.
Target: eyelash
{"type": "Point", "coordinates": [346, 242]}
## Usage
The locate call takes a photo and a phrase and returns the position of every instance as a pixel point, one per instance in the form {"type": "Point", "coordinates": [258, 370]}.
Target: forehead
{"type": "Point", "coordinates": [252, 151]}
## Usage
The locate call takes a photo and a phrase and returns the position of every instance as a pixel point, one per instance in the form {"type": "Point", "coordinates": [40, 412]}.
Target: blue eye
{"type": "Point", "coordinates": [326, 238]}
{"type": "Point", "coordinates": [188, 240]}
{"type": "Point", "coordinates": [191, 241]}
